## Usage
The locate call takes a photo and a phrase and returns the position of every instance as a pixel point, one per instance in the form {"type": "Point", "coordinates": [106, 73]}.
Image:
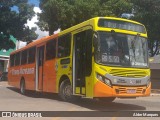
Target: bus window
{"type": "Point", "coordinates": [31, 55]}
{"type": "Point", "coordinates": [17, 59]}
{"type": "Point", "coordinates": [64, 46]}
{"type": "Point", "coordinates": [51, 49]}
{"type": "Point", "coordinates": [24, 57]}
{"type": "Point", "coordinates": [12, 60]}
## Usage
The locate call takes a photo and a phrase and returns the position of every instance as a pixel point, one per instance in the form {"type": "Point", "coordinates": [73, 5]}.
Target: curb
{"type": "Point", "coordinates": [155, 94]}
{"type": "Point", "coordinates": [3, 83]}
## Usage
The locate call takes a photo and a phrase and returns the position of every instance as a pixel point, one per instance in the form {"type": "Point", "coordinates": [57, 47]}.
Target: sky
{"type": "Point", "coordinates": [34, 19]}
{"type": "Point", "coordinates": [31, 23]}
{"type": "Point", "coordinates": [35, 2]}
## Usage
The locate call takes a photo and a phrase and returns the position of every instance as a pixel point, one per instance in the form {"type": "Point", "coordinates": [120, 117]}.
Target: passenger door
{"type": "Point", "coordinates": [40, 61]}
{"type": "Point", "coordinates": [82, 60]}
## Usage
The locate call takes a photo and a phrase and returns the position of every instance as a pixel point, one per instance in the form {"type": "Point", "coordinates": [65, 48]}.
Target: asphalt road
{"type": "Point", "coordinates": [12, 100]}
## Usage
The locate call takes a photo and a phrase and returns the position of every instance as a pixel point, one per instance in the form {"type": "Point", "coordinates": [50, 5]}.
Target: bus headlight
{"type": "Point", "coordinates": [104, 79]}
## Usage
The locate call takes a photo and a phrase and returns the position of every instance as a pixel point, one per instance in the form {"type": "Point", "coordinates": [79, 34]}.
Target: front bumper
{"type": "Point", "coordinates": [102, 90]}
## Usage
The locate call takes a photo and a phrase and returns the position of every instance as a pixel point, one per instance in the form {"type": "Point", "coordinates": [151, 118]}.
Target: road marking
{"type": "Point", "coordinates": [56, 118]}
{"type": "Point", "coordinates": [114, 118]}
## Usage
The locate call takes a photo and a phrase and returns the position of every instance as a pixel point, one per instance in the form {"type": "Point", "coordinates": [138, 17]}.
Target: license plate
{"type": "Point", "coordinates": [131, 91]}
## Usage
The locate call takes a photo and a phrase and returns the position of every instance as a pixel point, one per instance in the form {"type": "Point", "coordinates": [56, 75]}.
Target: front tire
{"type": "Point", "coordinates": [65, 91]}
{"type": "Point", "coordinates": [22, 87]}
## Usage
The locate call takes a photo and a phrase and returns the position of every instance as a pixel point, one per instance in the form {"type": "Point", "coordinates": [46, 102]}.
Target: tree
{"type": "Point", "coordinates": [66, 13]}
{"type": "Point", "coordinates": [13, 22]}
{"type": "Point", "coordinates": [117, 7]}
{"type": "Point", "coordinates": [147, 12]}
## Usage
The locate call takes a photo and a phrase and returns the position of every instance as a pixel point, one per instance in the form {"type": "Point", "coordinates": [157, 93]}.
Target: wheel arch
{"type": "Point", "coordinates": [22, 86]}
{"type": "Point", "coordinates": [22, 79]}
{"type": "Point", "coordinates": [63, 78]}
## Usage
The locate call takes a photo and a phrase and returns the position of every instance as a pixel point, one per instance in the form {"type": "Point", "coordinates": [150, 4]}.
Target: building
{"type": "Point", "coordinates": [155, 71]}
{"type": "Point", "coordinates": [4, 57]}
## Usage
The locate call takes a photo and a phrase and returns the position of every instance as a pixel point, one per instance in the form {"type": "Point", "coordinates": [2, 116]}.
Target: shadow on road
{"type": "Point", "coordinates": [102, 106]}
{"type": "Point", "coordinates": [86, 103]}
{"type": "Point", "coordinates": [35, 94]}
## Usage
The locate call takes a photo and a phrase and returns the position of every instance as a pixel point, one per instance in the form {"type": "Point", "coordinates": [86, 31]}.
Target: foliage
{"type": "Point", "coordinates": [147, 12]}
{"type": "Point", "coordinates": [66, 13]}
{"type": "Point", "coordinates": [12, 22]}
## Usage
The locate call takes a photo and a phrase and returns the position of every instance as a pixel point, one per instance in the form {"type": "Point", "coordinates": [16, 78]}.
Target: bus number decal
{"type": "Point", "coordinates": [114, 59]}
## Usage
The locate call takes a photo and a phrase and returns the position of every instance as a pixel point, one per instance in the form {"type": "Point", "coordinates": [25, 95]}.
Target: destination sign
{"type": "Point", "coordinates": [124, 25]}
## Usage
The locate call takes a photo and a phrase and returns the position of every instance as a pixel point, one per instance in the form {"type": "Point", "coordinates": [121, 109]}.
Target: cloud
{"type": "Point", "coordinates": [20, 44]}
{"type": "Point", "coordinates": [31, 23]}
{"type": "Point", "coordinates": [57, 31]}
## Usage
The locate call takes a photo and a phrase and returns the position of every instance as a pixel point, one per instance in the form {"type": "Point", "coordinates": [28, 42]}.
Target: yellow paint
{"type": "Point", "coordinates": [91, 80]}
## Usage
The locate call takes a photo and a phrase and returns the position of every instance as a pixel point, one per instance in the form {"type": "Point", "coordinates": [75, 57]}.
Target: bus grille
{"type": "Point", "coordinates": [128, 73]}
{"type": "Point", "coordinates": [123, 90]}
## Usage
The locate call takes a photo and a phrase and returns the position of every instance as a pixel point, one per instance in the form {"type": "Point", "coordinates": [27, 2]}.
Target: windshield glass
{"type": "Point", "coordinates": [121, 50]}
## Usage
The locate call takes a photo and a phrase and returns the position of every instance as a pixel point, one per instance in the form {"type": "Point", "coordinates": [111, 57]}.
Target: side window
{"type": "Point", "coordinates": [31, 55]}
{"type": "Point", "coordinates": [51, 49]}
{"type": "Point", "coordinates": [24, 57]}
{"type": "Point", "coordinates": [64, 45]}
{"type": "Point", "coordinates": [12, 60]}
{"type": "Point", "coordinates": [17, 59]}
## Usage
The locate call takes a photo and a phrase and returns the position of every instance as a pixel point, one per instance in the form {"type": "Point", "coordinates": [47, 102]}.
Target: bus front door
{"type": "Point", "coordinates": [79, 64]}
{"type": "Point", "coordinates": [82, 63]}
{"type": "Point", "coordinates": [40, 61]}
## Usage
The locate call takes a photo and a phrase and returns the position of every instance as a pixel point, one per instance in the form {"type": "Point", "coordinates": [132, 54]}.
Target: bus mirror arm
{"type": "Point", "coordinates": [92, 53]}
{"type": "Point", "coordinates": [95, 39]}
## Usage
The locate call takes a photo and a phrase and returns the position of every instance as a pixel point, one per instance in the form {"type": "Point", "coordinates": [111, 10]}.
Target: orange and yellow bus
{"type": "Point", "coordinates": [102, 58]}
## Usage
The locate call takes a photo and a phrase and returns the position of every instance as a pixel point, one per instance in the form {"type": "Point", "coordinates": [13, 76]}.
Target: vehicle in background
{"type": "Point", "coordinates": [4, 76]}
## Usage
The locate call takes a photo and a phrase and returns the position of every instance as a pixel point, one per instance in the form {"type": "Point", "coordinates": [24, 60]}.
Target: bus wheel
{"type": "Point", "coordinates": [107, 99]}
{"type": "Point", "coordinates": [22, 87]}
{"type": "Point", "coordinates": [65, 91]}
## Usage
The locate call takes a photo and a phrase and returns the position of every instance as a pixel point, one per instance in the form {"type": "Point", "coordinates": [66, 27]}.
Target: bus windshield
{"type": "Point", "coordinates": [121, 50]}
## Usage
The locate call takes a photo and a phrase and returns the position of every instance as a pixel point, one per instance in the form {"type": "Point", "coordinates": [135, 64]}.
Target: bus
{"type": "Point", "coordinates": [102, 58]}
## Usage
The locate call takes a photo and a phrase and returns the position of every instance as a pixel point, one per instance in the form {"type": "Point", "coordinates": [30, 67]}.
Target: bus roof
{"type": "Point", "coordinates": [91, 21]}
{"type": "Point", "coordinates": [123, 19]}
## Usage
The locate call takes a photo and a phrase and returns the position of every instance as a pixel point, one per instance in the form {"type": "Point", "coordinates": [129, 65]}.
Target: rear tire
{"type": "Point", "coordinates": [65, 91]}
{"type": "Point", "coordinates": [22, 87]}
{"type": "Point", "coordinates": [107, 99]}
